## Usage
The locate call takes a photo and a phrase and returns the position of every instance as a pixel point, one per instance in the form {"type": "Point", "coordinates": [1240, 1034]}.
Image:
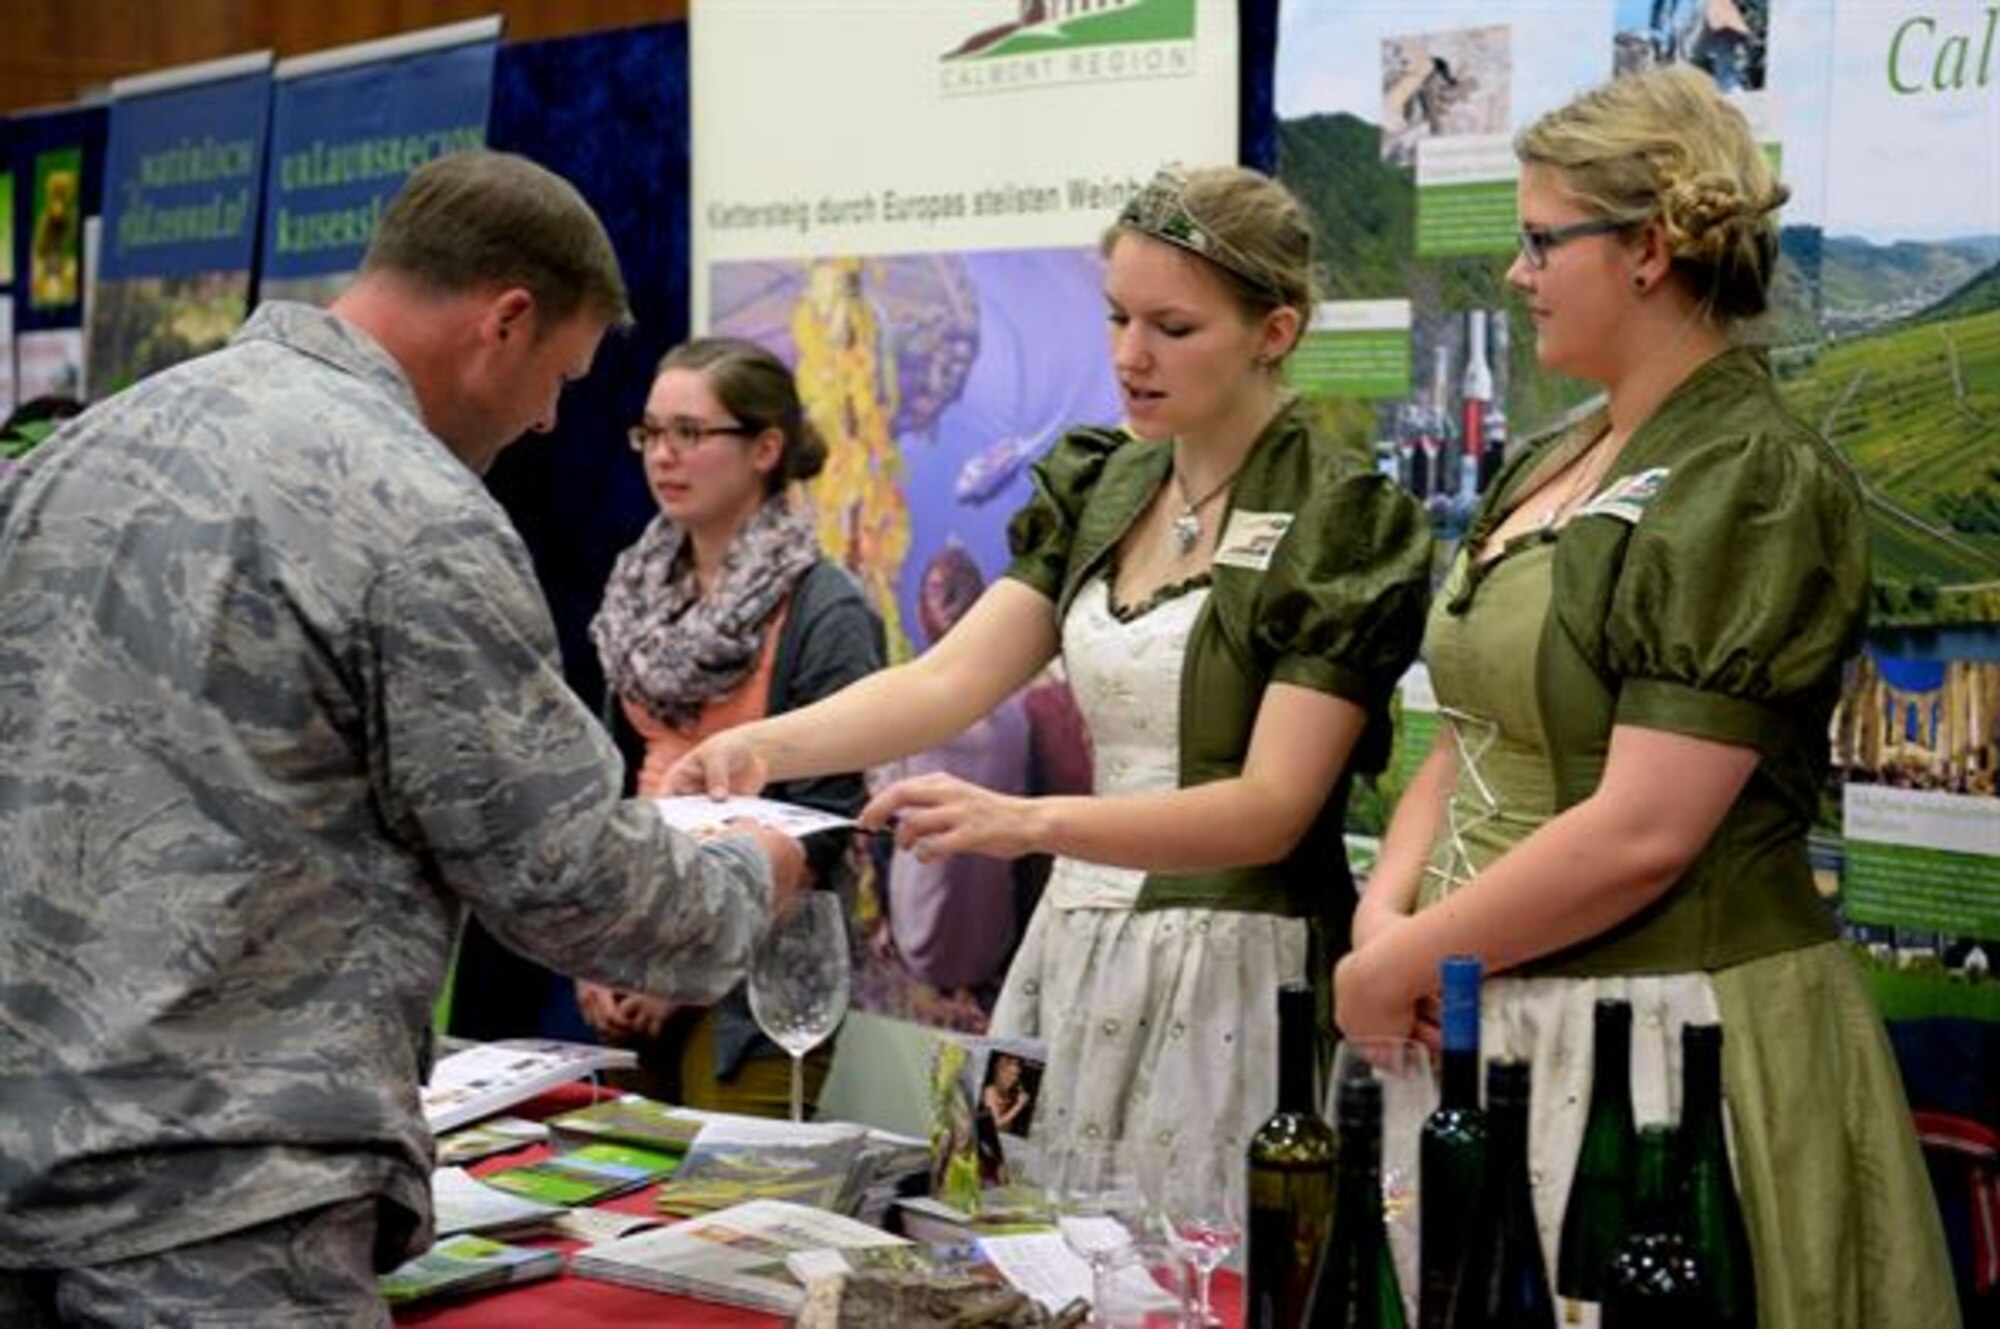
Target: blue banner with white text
{"type": "Point", "coordinates": [183, 178]}
{"type": "Point", "coordinates": [343, 141]}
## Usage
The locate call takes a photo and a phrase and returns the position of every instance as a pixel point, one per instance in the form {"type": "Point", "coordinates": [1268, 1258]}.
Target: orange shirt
{"type": "Point", "coordinates": [666, 745]}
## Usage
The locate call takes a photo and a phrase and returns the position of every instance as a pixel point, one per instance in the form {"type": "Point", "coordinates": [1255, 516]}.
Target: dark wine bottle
{"type": "Point", "coordinates": [1504, 1280]}
{"type": "Point", "coordinates": [1715, 1220]}
{"type": "Point", "coordinates": [1654, 1281]}
{"type": "Point", "coordinates": [1451, 1152]}
{"type": "Point", "coordinates": [1598, 1214]}
{"type": "Point", "coordinates": [1291, 1160]}
{"type": "Point", "coordinates": [1356, 1286]}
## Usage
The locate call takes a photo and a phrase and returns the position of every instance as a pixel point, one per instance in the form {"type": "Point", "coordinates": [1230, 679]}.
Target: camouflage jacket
{"type": "Point", "coordinates": [279, 700]}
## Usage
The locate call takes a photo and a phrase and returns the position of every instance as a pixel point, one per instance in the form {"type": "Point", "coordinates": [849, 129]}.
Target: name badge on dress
{"type": "Point", "coordinates": [1626, 501]}
{"type": "Point", "coordinates": [1250, 539]}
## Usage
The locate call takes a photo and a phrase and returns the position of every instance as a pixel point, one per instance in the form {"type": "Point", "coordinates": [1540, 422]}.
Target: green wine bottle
{"type": "Point", "coordinates": [1356, 1286]}
{"type": "Point", "coordinates": [1451, 1152]}
{"type": "Point", "coordinates": [1715, 1221]}
{"type": "Point", "coordinates": [1503, 1282]}
{"type": "Point", "coordinates": [1654, 1281]}
{"type": "Point", "coordinates": [1598, 1215]}
{"type": "Point", "coordinates": [1291, 1161]}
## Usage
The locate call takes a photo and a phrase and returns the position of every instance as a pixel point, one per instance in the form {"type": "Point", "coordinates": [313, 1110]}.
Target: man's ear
{"type": "Point", "coordinates": [509, 313]}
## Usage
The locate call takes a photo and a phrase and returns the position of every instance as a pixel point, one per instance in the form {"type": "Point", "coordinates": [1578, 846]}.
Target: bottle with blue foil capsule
{"type": "Point", "coordinates": [1451, 1155]}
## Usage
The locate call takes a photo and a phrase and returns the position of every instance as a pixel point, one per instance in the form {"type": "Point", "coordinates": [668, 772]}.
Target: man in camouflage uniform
{"type": "Point", "coordinates": [279, 701]}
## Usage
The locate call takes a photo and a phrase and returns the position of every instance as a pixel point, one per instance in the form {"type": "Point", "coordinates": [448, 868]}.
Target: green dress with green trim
{"type": "Point", "coordinates": [1712, 587]}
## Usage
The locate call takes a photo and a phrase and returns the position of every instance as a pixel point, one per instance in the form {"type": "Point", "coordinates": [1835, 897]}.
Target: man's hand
{"type": "Point", "coordinates": [789, 876]}
{"type": "Point", "coordinates": [618, 1016]}
{"type": "Point", "coordinates": [720, 766]}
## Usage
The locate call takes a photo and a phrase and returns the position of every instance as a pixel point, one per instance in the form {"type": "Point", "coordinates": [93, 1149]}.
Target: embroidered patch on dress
{"type": "Point", "coordinates": [1250, 539]}
{"type": "Point", "coordinates": [1626, 501]}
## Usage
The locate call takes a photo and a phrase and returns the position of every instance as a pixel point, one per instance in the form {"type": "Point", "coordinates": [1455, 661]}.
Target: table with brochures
{"type": "Point", "coordinates": [576, 1303]}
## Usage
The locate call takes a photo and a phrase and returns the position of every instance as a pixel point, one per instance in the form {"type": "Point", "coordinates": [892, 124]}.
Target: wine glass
{"type": "Point", "coordinates": [1409, 1096]}
{"type": "Point", "coordinates": [1201, 1209]}
{"type": "Point", "coordinates": [1093, 1196]}
{"type": "Point", "coordinates": [798, 980]}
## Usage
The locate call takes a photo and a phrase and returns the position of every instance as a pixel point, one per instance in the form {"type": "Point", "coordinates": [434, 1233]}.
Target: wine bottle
{"type": "Point", "coordinates": [1356, 1286]}
{"type": "Point", "coordinates": [1451, 1151]}
{"type": "Point", "coordinates": [1504, 1281]}
{"type": "Point", "coordinates": [1475, 395]}
{"type": "Point", "coordinates": [1291, 1160]}
{"type": "Point", "coordinates": [1715, 1220]}
{"type": "Point", "coordinates": [1654, 1281]}
{"type": "Point", "coordinates": [1598, 1216]}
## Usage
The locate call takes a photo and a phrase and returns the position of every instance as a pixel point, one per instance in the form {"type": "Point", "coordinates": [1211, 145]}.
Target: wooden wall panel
{"type": "Point", "coordinates": [57, 50]}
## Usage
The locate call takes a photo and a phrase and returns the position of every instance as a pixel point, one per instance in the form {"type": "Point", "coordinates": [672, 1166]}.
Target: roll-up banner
{"type": "Point", "coordinates": [347, 126]}
{"type": "Point", "coordinates": [183, 178]}
{"type": "Point", "coordinates": [904, 201]}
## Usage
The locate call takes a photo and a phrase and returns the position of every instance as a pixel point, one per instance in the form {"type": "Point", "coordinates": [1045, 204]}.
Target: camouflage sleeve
{"type": "Point", "coordinates": [498, 777]}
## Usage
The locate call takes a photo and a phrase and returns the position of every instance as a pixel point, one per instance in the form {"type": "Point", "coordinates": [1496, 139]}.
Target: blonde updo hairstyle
{"type": "Point", "coordinates": [754, 386]}
{"type": "Point", "coordinates": [1259, 238]}
{"type": "Point", "coordinates": [1666, 146]}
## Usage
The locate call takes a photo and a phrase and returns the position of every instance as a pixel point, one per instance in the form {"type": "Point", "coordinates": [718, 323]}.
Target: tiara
{"type": "Point", "coordinates": [1160, 210]}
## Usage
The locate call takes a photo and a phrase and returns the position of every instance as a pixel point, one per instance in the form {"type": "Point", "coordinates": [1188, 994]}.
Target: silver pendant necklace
{"type": "Point", "coordinates": [1186, 527]}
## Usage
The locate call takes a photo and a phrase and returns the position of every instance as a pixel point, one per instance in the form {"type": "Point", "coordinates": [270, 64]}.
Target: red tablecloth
{"type": "Point", "coordinates": [566, 1300]}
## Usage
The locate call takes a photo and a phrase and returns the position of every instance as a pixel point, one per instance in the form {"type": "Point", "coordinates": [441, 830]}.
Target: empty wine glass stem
{"type": "Point", "coordinates": [798, 1087]}
{"type": "Point", "coordinates": [1203, 1272]}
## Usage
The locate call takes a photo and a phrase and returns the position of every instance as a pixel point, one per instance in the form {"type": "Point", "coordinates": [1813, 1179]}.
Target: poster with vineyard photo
{"type": "Point", "coordinates": [1905, 383]}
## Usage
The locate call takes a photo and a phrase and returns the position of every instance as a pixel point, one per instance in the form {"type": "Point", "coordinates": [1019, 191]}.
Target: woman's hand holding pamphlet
{"type": "Point", "coordinates": [699, 815]}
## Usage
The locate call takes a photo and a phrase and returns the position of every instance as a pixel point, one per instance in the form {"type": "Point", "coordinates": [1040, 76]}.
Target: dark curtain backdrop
{"type": "Point", "coordinates": [1257, 59]}
{"type": "Point", "coordinates": [609, 113]}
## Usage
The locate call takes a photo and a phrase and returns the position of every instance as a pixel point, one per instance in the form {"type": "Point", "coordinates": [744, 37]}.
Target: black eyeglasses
{"type": "Point", "coordinates": [1537, 241]}
{"type": "Point", "coordinates": [680, 434]}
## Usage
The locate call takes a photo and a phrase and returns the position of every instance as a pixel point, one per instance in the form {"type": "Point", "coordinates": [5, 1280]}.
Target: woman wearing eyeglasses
{"type": "Point", "coordinates": [1234, 598]}
{"type": "Point", "coordinates": [724, 612]}
{"type": "Point", "coordinates": [1637, 652]}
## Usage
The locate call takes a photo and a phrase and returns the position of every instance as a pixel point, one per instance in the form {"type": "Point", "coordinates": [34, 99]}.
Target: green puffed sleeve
{"type": "Point", "coordinates": [1743, 587]}
{"type": "Point", "coordinates": [1342, 607]}
{"type": "Point", "coordinates": [1040, 534]}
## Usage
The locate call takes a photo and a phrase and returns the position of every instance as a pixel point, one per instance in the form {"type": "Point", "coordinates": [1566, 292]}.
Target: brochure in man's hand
{"type": "Point", "coordinates": [697, 814]}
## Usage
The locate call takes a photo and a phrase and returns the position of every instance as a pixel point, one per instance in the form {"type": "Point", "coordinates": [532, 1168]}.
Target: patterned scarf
{"type": "Point", "coordinates": [665, 646]}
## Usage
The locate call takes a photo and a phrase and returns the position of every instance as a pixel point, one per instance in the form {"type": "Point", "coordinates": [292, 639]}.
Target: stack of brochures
{"type": "Point", "coordinates": [462, 1203]}
{"type": "Point", "coordinates": [736, 1256]}
{"type": "Point", "coordinates": [631, 1120]}
{"type": "Point", "coordinates": [490, 1077]}
{"type": "Point", "coordinates": [587, 1175]}
{"type": "Point", "coordinates": [496, 1135]}
{"type": "Point", "coordinates": [735, 1159]}
{"type": "Point", "coordinates": [464, 1264]}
